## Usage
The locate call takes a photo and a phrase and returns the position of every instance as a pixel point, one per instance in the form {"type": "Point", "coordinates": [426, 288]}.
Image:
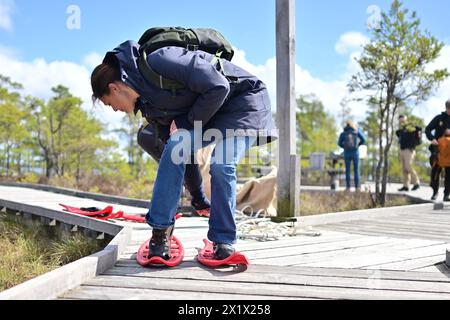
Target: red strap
{"type": "Point", "coordinates": [107, 214]}
{"type": "Point", "coordinates": [204, 212]}
{"type": "Point", "coordinates": [108, 210]}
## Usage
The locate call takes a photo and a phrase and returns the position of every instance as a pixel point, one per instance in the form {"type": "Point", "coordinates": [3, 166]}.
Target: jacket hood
{"type": "Point", "coordinates": [128, 53]}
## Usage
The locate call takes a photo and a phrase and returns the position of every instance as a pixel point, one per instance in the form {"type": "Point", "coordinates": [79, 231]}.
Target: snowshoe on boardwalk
{"type": "Point", "coordinates": [220, 255]}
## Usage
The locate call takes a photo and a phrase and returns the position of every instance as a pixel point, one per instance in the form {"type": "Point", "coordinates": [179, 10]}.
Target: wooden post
{"type": "Point", "coordinates": [288, 161]}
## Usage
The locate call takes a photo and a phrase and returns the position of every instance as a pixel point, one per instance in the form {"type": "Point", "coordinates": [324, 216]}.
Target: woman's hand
{"type": "Point", "coordinates": [173, 128]}
{"type": "Point", "coordinates": [435, 142]}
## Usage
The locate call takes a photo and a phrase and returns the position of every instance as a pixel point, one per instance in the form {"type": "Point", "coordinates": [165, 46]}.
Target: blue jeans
{"type": "Point", "coordinates": [349, 158]}
{"type": "Point", "coordinates": [168, 185]}
{"type": "Point", "coordinates": [153, 140]}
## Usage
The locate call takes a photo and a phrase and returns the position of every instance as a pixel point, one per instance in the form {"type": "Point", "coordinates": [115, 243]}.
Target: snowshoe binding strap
{"type": "Point", "coordinates": [176, 253]}
{"type": "Point", "coordinates": [204, 212]}
{"type": "Point", "coordinates": [105, 214]}
{"type": "Point", "coordinates": [134, 218]}
{"type": "Point", "coordinates": [89, 212]}
{"type": "Point", "coordinates": [206, 257]}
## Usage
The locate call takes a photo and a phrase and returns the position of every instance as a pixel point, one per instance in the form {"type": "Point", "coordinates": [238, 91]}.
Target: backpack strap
{"type": "Point", "coordinates": [218, 58]}
{"type": "Point", "coordinates": [155, 78]}
{"type": "Point", "coordinates": [168, 84]}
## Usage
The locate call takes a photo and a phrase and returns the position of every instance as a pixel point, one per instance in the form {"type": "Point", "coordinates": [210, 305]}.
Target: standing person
{"type": "Point", "coordinates": [409, 137]}
{"type": "Point", "coordinates": [216, 95]}
{"type": "Point", "coordinates": [435, 170]}
{"type": "Point", "coordinates": [434, 131]}
{"type": "Point", "coordinates": [444, 161]}
{"type": "Point", "coordinates": [350, 140]}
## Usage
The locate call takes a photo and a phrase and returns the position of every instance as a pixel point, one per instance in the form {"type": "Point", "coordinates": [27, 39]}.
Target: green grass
{"type": "Point", "coordinates": [29, 251]}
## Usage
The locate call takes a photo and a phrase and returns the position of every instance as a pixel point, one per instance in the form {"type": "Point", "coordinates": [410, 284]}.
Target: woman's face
{"type": "Point", "coordinates": [120, 98]}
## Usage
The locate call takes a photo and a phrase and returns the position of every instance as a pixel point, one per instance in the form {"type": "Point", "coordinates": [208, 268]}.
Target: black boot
{"type": "Point", "coordinates": [222, 251]}
{"type": "Point", "coordinates": [199, 201]}
{"type": "Point", "coordinates": [160, 243]}
{"type": "Point", "coordinates": [435, 195]}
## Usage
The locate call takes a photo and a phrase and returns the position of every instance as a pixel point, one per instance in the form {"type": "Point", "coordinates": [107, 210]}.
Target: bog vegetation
{"type": "Point", "coordinates": [27, 251]}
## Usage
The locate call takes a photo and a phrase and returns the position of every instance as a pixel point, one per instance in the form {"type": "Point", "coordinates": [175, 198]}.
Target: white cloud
{"type": "Point", "coordinates": [7, 7]}
{"type": "Point", "coordinates": [330, 93]}
{"type": "Point", "coordinates": [350, 42]}
{"type": "Point", "coordinates": [436, 103]}
{"type": "Point", "coordinates": [39, 76]}
{"type": "Point", "coordinates": [92, 60]}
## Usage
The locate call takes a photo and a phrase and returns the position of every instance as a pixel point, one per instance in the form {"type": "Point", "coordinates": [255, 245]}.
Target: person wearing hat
{"type": "Point", "coordinates": [435, 130]}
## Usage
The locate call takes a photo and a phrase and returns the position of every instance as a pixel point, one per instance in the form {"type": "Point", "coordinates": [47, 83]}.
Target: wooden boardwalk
{"type": "Point", "coordinates": [395, 256]}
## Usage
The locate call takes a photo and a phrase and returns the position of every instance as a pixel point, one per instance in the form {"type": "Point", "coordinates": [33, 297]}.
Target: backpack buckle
{"type": "Point", "coordinates": [192, 47]}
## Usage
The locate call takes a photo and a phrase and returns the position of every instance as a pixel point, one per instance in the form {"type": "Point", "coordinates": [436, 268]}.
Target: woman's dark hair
{"type": "Point", "coordinates": [104, 74]}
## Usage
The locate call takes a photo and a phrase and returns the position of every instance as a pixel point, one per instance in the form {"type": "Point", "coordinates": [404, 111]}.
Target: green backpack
{"type": "Point", "coordinates": [208, 40]}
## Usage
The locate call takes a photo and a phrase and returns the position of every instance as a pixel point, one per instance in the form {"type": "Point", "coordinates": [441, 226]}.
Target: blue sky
{"type": "Point", "coordinates": [34, 34]}
{"type": "Point", "coordinates": [39, 27]}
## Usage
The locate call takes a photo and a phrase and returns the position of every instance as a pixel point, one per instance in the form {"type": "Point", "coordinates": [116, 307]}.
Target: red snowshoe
{"type": "Point", "coordinates": [176, 253]}
{"type": "Point", "coordinates": [206, 257]}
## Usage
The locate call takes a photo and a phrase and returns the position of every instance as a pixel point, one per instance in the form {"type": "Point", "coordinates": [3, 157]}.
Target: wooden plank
{"type": "Point", "coordinates": [382, 232]}
{"type": "Point", "coordinates": [385, 213]}
{"type": "Point", "coordinates": [100, 293]}
{"type": "Point", "coordinates": [68, 218]}
{"type": "Point", "coordinates": [393, 246]}
{"type": "Point", "coordinates": [262, 270]}
{"type": "Point", "coordinates": [412, 264]}
{"type": "Point", "coordinates": [352, 258]}
{"type": "Point", "coordinates": [25, 188]}
{"type": "Point", "coordinates": [395, 254]}
{"type": "Point", "coordinates": [315, 248]}
{"type": "Point", "coordinates": [275, 285]}
{"type": "Point", "coordinates": [428, 218]}
{"type": "Point", "coordinates": [390, 225]}
{"type": "Point", "coordinates": [326, 258]}
{"type": "Point", "coordinates": [212, 285]}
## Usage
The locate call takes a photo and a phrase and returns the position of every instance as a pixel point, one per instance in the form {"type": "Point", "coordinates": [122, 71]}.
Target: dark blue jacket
{"type": "Point", "coordinates": [208, 96]}
{"type": "Point", "coordinates": [409, 136]}
{"type": "Point", "coordinates": [439, 124]}
{"type": "Point", "coordinates": [361, 137]}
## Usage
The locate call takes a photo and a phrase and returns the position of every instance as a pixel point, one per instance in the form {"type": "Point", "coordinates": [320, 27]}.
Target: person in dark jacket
{"type": "Point", "coordinates": [350, 140]}
{"type": "Point", "coordinates": [408, 136]}
{"type": "Point", "coordinates": [434, 131]}
{"type": "Point", "coordinates": [234, 115]}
